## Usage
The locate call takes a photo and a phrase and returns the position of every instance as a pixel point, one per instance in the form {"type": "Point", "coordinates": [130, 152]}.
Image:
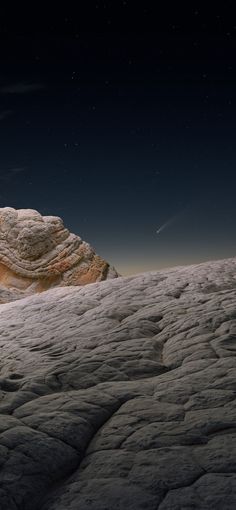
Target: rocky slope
{"type": "Point", "coordinates": [121, 394]}
{"type": "Point", "coordinates": [38, 252]}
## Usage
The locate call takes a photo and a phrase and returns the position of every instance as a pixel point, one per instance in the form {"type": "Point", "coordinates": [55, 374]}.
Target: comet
{"type": "Point", "coordinates": [166, 224]}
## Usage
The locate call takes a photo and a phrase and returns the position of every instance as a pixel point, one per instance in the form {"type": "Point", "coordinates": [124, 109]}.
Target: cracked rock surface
{"type": "Point", "coordinates": [121, 394]}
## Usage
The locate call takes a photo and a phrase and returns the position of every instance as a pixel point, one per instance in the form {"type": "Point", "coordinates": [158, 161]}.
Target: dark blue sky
{"type": "Point", "coordinates": [118, 126]}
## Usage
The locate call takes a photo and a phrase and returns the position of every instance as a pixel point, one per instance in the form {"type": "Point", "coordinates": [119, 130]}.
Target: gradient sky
{"type": "Point", "coordinates": [119, 125]}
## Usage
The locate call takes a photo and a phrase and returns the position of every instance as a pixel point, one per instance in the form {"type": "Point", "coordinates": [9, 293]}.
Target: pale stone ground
{"type": "Point", "coordinates": [121, 395]}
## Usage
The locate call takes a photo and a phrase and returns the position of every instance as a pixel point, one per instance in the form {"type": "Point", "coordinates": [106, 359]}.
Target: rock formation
{"type": "Point", "coordinates": [38, 252]}
{"type": "Point", "coordinates": [121, 394]}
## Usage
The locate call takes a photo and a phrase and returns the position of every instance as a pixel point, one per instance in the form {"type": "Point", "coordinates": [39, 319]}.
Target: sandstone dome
{"type": "Point", "coordinates": [37, 252]}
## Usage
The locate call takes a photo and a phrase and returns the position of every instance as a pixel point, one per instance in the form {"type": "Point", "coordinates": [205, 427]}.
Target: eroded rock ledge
{"type": "Point", "coordinates": [37, 252]}
{"type": "Point", "coordinates": [121, 394]}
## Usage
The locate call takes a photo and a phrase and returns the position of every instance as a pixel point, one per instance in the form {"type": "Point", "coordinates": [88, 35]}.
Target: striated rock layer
{"type": "Point", "coordinates": [121, 394]}
{"type": "Point", "coordinates": [38, 252]}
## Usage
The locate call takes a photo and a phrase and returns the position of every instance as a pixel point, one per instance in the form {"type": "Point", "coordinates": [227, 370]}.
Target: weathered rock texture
{"type": "Point", "coordinates": [38, 252]}
{"type": "Point", "coordinates": [121, 394]}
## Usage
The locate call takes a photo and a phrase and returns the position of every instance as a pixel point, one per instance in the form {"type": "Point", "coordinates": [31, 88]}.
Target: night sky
{"type": "Point", "coordinates": [118, 120]}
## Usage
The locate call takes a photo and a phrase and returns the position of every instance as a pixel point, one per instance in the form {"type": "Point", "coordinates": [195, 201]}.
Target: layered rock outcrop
{"type": "Point", "coordinates": [37, 252]}
{"type": "Point", "coordinates": [121, 394]}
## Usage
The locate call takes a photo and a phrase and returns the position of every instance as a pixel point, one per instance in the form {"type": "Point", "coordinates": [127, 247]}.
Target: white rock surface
{"type": "Point", "coordinates": [121, 394]}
